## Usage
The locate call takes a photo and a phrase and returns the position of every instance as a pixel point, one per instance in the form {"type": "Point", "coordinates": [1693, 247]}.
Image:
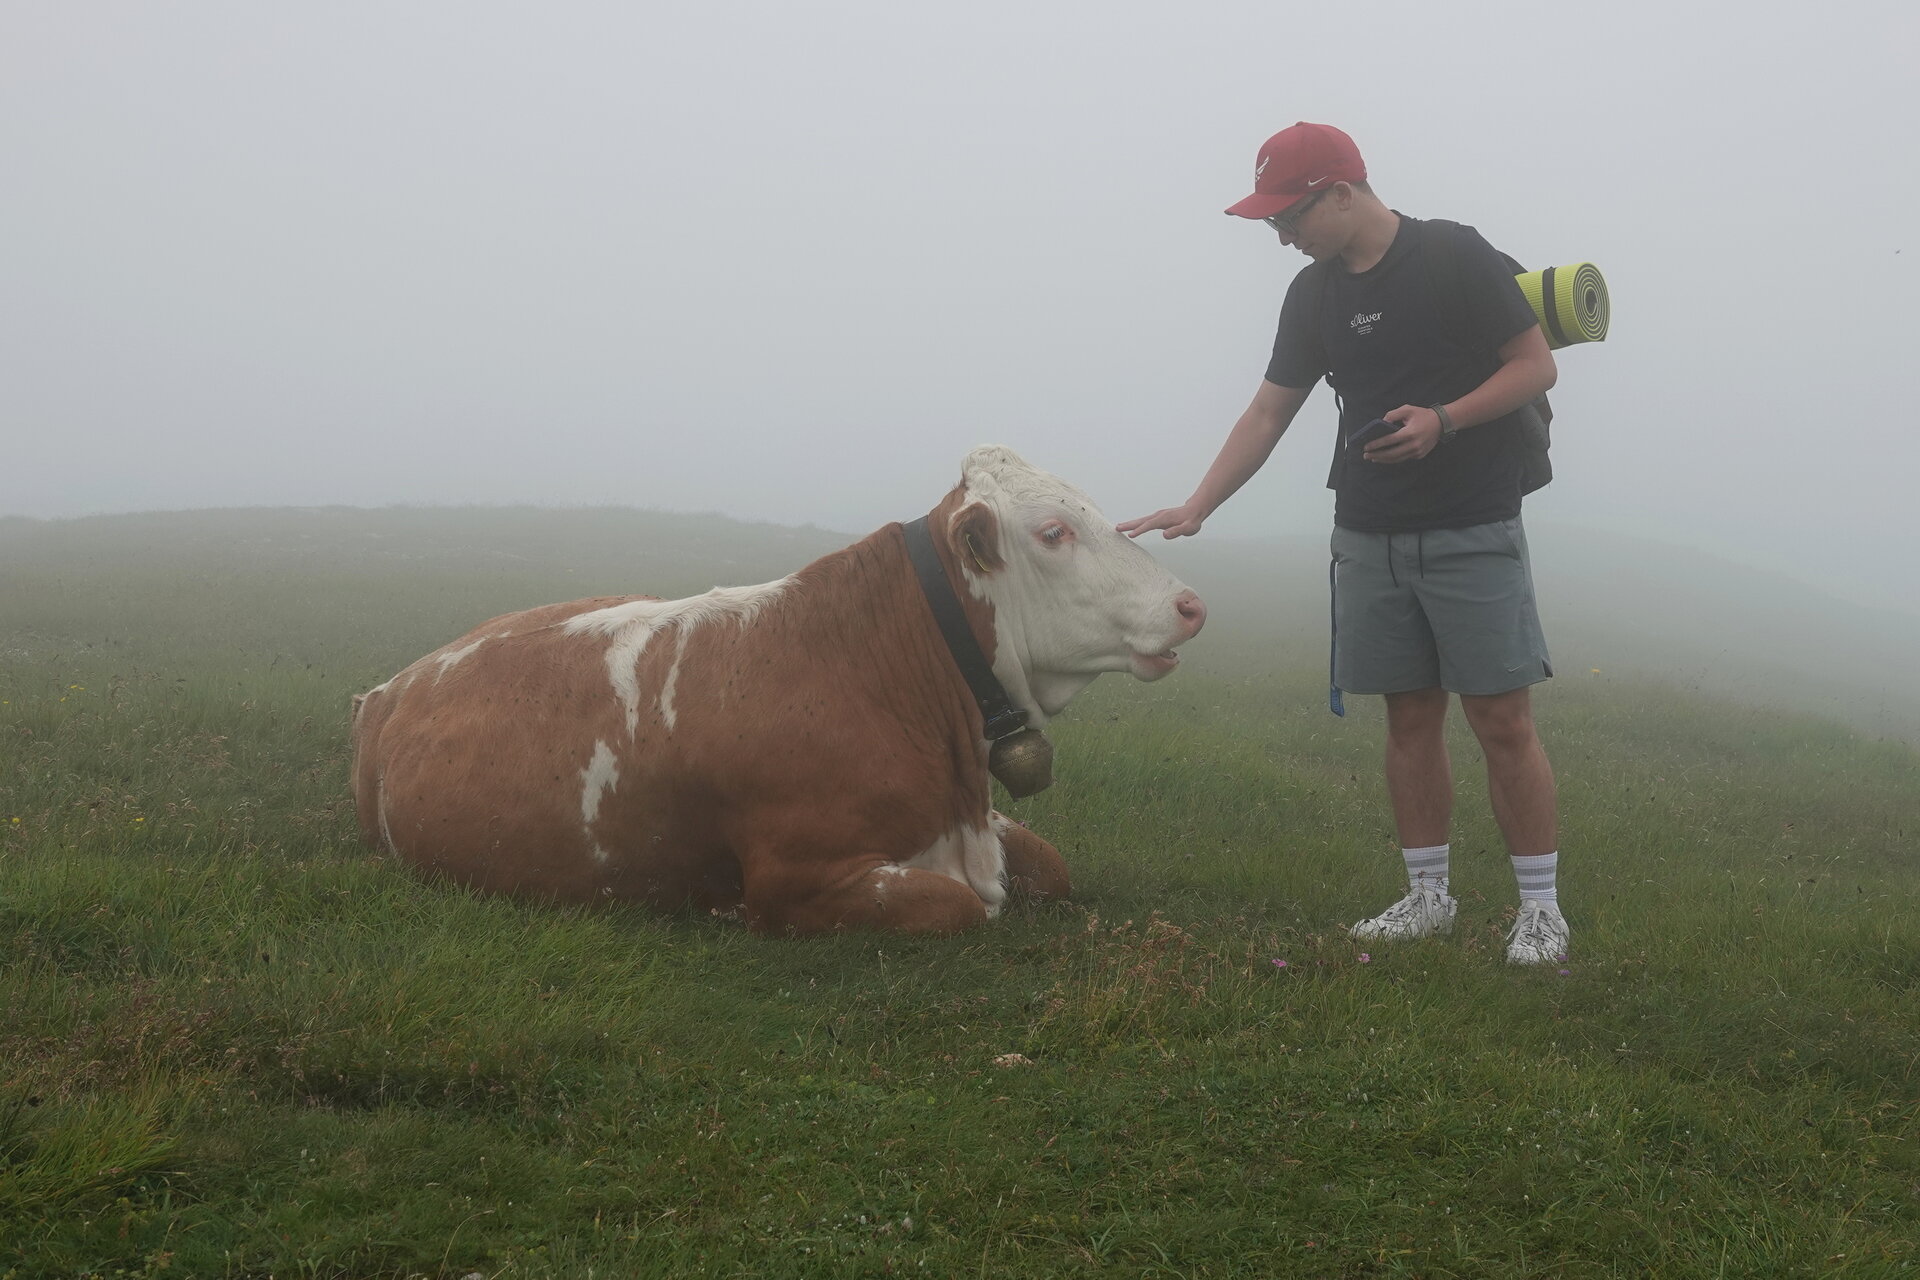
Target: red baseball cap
{"type": "Point", "coordinates": [1294, 163]}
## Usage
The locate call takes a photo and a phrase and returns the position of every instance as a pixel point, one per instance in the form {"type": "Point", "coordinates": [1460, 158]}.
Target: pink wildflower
{"type": "Point", "coordinates": [1279, 964]}
{"type": "Point", "coordinates": [1365, 958]}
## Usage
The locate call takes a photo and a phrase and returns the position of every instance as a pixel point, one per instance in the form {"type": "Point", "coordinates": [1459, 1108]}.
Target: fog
{"type": "Point", "coordinates": [788, 262]}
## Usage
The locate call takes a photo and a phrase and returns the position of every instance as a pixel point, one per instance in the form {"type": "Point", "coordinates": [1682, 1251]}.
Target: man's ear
{"type": "Point", "coordinates": [976, 538]}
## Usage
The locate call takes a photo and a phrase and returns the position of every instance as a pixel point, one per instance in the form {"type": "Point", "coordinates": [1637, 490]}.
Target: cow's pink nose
{"type": "Point", "coordinates": [1191, 611]}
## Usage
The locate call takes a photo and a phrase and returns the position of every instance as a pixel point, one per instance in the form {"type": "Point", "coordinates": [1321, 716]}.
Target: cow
{"type": "Point", "coordinates": [805, 753]}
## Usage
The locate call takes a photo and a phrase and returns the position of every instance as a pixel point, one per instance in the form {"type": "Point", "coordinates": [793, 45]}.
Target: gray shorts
{"type": "Point", "coordinates": [1447, 607]}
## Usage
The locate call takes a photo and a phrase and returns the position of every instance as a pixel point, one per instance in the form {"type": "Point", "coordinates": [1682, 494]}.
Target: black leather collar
{"type": "Point", "coordinates": [1002, 718]}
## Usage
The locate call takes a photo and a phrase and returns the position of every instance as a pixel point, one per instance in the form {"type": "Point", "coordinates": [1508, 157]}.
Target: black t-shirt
{"type": "Point", "coordinates": [1388, 341]}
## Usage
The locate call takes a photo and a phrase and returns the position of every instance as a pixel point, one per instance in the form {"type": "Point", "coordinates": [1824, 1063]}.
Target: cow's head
{"type": "Point", "coordinates": [1071, 596]}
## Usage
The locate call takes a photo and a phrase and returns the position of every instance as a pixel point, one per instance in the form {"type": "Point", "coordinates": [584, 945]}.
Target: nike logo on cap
{"type": "Point", "coordinates": [1317, 181]}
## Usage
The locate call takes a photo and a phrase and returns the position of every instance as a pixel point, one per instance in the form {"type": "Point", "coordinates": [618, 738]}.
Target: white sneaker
{"type": "Point", "coordinates": [1539, 936]}
{"type": "Point", "coordinates": [1423, 913]}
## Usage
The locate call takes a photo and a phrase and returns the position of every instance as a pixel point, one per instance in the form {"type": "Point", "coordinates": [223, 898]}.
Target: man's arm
{"type": "Point", "coordinates": [1526, 372]}
{"type": "Point", "coordinates": [1248, 446]}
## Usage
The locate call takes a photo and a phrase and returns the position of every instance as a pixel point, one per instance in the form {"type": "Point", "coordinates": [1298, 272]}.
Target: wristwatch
{"type": "Point", "coordinates": [1447, 430]}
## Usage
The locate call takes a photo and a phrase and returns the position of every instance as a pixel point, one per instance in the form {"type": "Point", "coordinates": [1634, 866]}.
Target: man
{"type": "Point", "coordinates": [1433, 594]}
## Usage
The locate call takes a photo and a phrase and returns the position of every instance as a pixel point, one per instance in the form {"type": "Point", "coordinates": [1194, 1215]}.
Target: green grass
{"type": "Point", "coordinates": [235, 1043]}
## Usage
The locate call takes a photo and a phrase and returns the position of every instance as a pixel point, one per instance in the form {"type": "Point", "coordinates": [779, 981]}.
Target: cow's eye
{"type": "Point", "coordinates": [1055, 534]}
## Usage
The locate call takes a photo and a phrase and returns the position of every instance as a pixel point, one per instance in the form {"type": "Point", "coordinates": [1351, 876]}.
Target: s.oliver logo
{"type": "Point", "coordinates": [1362, 322]}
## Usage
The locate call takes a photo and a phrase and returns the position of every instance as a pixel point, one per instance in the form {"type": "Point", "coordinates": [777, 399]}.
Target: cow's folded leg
{"type": "Point", "coordinates": [885, 896]}
{"type": "Point", "coordinates": [1034, 867]}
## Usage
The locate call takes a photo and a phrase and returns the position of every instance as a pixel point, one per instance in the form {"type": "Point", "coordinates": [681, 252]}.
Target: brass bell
{"type": "Point", "coordinates": [1023, 762]}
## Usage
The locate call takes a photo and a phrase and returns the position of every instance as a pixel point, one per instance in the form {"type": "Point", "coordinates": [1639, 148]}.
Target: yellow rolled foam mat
{"type": "Point", "coordinates": [1571, 302]}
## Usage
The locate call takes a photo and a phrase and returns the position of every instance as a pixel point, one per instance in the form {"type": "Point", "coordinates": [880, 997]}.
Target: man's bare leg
{"type": "Point", "coordinates": [1419, 774]}
{"type": "Point", "coordinates": [1519, 777]}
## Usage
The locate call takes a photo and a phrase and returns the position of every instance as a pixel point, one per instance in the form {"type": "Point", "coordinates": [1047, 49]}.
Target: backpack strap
{"type": "Point", "coordinates": [1317, 301]}
{"type": "Point", "coordinates": [1448, 281]}
{"type": "Point", "coordinates": [1560, 338]}
{"type": "Point", "coordinates": [1315, 297]}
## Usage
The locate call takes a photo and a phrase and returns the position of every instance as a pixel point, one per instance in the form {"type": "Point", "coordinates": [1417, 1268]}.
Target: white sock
{"type": "Point", "coordinates": [1536, 872]}
{"type": "Point", "coordinates": [1427, 867]}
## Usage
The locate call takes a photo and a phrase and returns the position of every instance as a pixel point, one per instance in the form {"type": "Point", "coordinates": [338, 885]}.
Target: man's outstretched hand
{"type": "Point", "coordinates": [1174, 522]}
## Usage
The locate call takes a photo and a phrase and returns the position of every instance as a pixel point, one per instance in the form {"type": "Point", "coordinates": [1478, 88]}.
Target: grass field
{"type": "Point", "coordinates": [234, 1043]}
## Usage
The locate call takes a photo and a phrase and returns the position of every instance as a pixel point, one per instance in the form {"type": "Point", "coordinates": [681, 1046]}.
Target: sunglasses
{"type": "Point", "coordinates": [1289, 222]}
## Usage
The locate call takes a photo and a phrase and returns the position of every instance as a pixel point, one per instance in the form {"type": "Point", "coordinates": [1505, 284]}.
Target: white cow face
{"type": "Point", "coordinates": [1072, 597]}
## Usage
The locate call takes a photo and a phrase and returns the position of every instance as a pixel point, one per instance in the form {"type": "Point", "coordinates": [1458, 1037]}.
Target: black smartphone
{"type": "Point", "coordinates": [1363, 436]}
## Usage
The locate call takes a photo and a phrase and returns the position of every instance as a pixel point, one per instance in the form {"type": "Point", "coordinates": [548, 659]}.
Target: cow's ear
{"type": "Point", "coordinates": [976, 538]}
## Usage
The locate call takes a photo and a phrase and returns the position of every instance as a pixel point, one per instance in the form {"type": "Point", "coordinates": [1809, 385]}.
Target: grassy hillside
{"type": "Point", "coordinates": [234, 1043]}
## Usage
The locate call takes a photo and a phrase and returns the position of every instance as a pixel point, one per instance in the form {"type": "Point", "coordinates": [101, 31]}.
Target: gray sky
{"type": "Point", "coordinates": [788, 262]}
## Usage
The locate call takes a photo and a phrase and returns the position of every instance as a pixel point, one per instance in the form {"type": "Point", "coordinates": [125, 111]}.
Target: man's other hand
{"type": "Point", "coordinates": [1418, 434]}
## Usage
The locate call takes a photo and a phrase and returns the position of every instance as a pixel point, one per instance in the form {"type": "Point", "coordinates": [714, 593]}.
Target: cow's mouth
{"type": "Point", "coordinates": [1151, 666]}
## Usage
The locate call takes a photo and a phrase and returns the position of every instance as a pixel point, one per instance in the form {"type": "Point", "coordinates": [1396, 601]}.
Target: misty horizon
{"type": "Point", "coordinates": [1612, 607]}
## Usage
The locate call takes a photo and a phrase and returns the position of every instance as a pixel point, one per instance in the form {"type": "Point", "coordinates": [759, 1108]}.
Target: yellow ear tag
{"type": "Point", "coordinates": [974, 551]}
